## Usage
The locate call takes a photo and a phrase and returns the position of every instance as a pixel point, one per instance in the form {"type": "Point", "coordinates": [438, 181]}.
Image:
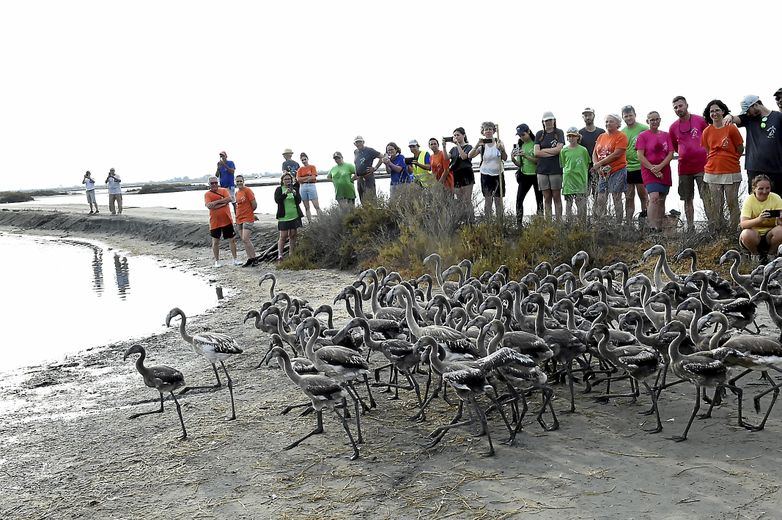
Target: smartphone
{"type": "Point", "coordinates": [447, 139]}
{"type": "Point", "coordinates": [409, 160]}
{"type": "Point", "coordinates": [775, 213]}
{"type": "Point", "coordinates": [487, 140]}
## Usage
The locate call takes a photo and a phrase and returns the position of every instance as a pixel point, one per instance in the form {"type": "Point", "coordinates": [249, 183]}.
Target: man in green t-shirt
{"type": "Point", "coordinates": [575, 160]}
{"type": "Point", "coordinates": [341, 176]}
{"type": "Point", "coordinates": [635, 182]}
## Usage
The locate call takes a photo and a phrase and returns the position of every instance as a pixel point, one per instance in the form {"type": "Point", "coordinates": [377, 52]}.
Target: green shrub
{"type": "Point", "coordinates": [7, 197]}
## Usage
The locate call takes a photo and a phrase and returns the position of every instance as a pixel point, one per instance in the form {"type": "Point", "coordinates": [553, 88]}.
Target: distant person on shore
{"type": "Point", "coordinates": [686, 135]}
{"type": "Point", "coordinates": [245, 219]}
{"type": "Point", "coordinates": [365, 170]}
{"type": "Point", "coordinates": [655, 152]}
{"type": "Point", "coordinates": [724, 146]}
{"type": "Point", "coordinates": [764, 140]}
{"type": "Point", "coordinates": [225, 172]}
{"type": "Point", "coordinates": [289, 165]}
{"type": "Point", "coordinates": [395, 165]}
{"type": "Point", "coordinates": [440, 165]}
{"type": "Point", "coordinates": [574, 160]}
{"type": "Point", "coordinates": [523, 156]}
{"type": "Point", "coordinates": [548, 145]}
{"type": "Point", "coordinates": [89, 186]}
{"type": "Point", "coordinates": [216, 199]}
{"type": "Point", "coordinates": [307, 176]}
{"type": "Point", "coordinates": [288, 213]}
{"type": "Point", "coordinates": [492, 152]}
{"type": "Point", "coordinates": [420, 165]}
{"type": "Point", "coordinates": [461, 168]}
{"type": "Point", "coordinates": [609, 163]}
{"type": "Point", "coordinates": [635, 181]}
{"type": "Point", "coordinates": [115, 192]}
{"type": "Point", "coordinates": [341, 176]}
{"type": "Point", "coordinates": [761, 227]}
{"type": "Point", "coordinates": [589, 135]}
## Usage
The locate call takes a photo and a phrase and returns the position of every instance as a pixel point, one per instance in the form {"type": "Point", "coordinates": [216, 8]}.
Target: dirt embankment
{"type": "Point", "coordinates": [67, 449]}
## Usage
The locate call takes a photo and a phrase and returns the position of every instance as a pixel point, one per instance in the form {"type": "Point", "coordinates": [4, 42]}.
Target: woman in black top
{"type": "Point", "coordinates": [461, 167]}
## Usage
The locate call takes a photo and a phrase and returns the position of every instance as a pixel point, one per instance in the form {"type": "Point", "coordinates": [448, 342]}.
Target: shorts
{"type": "Point", "coordinates": [245, 225]}
{"type": "Point", "coordinates": [308, 191]}
{"type": "Point", "coordinates": [549, 182]}
{"type": "Point", "coordinates": [634, 177]}
{"type": "Point", "coordinates": [493, 185]}
{"type": "Point", "coordinates": [656, 187]}
{"type": "Point", "coordinates": [227, 232]}
{"type": "Point", "coordinates": [231, 192]}
{"type": "Point", "coordinates": [687, 185]}
{"type": "Point", "coordinates": [762, 245]}
{"type": "Point", "coordinates": [91, 197]}
{"type": "Point", "coordinates": [722, 178]}
{"type": "Point", "coordinates": [287, 225]}
{"type": "Point", "coordinates": [463, 177]}
{"type": "Point", "coordinates": [614, 183]}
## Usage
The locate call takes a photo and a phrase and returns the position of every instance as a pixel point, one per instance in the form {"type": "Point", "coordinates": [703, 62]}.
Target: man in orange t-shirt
{"type": "Point", "coordinates": [610, 165]}
{"type": "Point", "coordinates": [217, 200]}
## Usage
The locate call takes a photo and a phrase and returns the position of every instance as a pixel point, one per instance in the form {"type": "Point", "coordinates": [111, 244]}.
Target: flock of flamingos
{"type": "Point", "coordinates": [494, 347]}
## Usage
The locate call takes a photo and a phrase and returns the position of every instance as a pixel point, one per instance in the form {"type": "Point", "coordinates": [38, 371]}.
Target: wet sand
{"type": "Point", "coordinates": [68, 450]}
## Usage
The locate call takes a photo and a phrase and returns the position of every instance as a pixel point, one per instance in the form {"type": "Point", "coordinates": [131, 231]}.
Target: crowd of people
{"type": "Point", "coordinates": [627, 159]}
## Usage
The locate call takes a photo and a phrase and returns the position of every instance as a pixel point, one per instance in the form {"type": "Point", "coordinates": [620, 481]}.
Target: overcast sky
{"type": "Point", "coordinates": [156, 89]}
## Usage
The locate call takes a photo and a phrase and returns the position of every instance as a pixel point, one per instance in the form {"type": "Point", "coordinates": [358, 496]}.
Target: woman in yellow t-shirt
{"type": "Point", "coordinates": [761, 225]}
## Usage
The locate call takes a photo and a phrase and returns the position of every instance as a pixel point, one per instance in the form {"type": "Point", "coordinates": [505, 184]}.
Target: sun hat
{"type": "Point", "coordinates": [287, 151]}
{"type": "Point", "coordinates": [747, 102]}
{"type": "Point", "coordinates": [358, 139]}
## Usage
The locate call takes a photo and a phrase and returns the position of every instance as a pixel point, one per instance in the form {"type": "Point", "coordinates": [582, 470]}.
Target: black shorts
{"type": "Point", "coordinates": [287, 225]}
{"type": "Point", "coordinates": [763, 248]}
{"type": "Point", "coordinates": [463, 177]}
{"type": "Point", "coordinates": [492, 186]}
{"type": "Point", "coordinates": [227, 232]}
{"type": "Point", "coordinates": [634, 177]}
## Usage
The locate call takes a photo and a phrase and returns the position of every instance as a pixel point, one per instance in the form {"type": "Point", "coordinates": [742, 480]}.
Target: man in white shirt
{"type": "Point", "coordinates": [89, 186]}
{"type": "Point", "coordinates": [115, 192]}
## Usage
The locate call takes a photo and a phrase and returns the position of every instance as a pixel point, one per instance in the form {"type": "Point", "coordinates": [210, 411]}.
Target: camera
{"type": "Point", "coordinates": [447, 139]}
{"type": "Point", "coordinates": [409, 160]}
{"type": "Point", "coordinates": [487, 140]}
{"type": "Point", "coordinates": [775, 213]}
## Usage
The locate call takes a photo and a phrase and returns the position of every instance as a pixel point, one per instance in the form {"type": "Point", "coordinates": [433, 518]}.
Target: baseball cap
{"type": "Point", "coordinates": [572, 131]}
{"type": "Point", "coordinates": [522, 129]}
{"type": "Point", "coordinates": [547, 116]}
{"type": "Point", "coordinates": [223, 153]}
{"type": "Point", "coordinates": [358, 138]}
{"type": "Point", "coordinates": [747, 102]}
{"type": "Point", "coordinates": [337, 154]}
{"type": "Point", "coordinates": [413, 142]}
{"type": "Point", "coordinates": [588, 110]}
{"type": "Point", "coordinates": [778, 92]}
{"type": "Point", "coordinates": [287, 151]}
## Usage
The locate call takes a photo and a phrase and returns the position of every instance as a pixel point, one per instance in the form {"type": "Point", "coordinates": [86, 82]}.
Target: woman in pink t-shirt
{"type": "Point", "coordinates": [655, 151]}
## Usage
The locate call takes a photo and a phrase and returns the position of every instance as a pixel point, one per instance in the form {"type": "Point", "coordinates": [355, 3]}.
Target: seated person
{"type": "Point", "coordinates": [761, 232]}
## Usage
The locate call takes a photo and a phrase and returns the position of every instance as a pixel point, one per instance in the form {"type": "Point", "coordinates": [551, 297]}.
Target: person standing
{"type": "Point", "coordinates": [115, 192]}
{"type": "Point", "coordinates": [635, 182]}
{"type": "Point", "coordinates": [764, 140]}
{"type": "Point", "coordinates": [686, 135]}
{"type": "Point", "coordinates": [655, 152]}
{"type": "Point", "coordinates": [245, 219]}
{"type": "Point", "coordinates": [341, 176]}
{"type": "Point", "coordinates": [574, 160]}
{"type": "Point", "coordinates": [89, 187]}
{"type": "Point", "coordinates": [289, 165]}
{"type": "Point", "coordinates": [461, 167]}
{"type": "Point", "coordinates": [288, 213]}
{"type": "Point", "coordinates": [523, 156]}
{"type": "Point", "coordinates": [216, 200]}
{"type": "Point", "coordinates": [589, 135]}
{"type": "Point", "coordinates": [724, 146]}
{"type": "Point", "coordinates": [440, 165]}
{"type": "Point", "coordinates": [307, 176]}
{"type": "Point", "coordinates": [548, 145]}
{"type": "Point", "coordinates": [365, 170]}
{"type": "Point", "coordinates": [395, 165]}
{"type": "Point", "coordinates": [609, 162]}
{"type": "Point", "coordinates": [225, 171]}
{"type": "Point", "coordinates": [493, 154]}
{"type": "Point", "coordinates": [778, 97]}
{"type": "Point", "coordinates": [420, 165]}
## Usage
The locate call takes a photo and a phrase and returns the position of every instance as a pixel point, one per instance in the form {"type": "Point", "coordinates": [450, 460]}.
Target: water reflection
{"type": "Point", "coordinates": [97, 269]}
{"type": "Point", "coordinates": [122, 271]}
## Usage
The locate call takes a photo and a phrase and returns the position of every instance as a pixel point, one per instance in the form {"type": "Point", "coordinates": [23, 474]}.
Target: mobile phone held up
{"type": "Point", "coordinates": [409, 160]}
{"type": "Point", "coordinates": [775, 213]}
{"type": "Point", "coordinates": [447, 139]}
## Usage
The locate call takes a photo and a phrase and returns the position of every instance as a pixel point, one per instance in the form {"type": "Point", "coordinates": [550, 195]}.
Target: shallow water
{"type": "Point", "coordinates": [64, 296]}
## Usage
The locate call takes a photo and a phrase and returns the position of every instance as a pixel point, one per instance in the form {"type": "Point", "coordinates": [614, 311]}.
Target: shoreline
{"type": "Point", "coordinates": [68, 449]}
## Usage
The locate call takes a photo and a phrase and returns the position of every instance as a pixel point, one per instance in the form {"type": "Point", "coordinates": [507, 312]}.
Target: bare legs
{"type": "Point", "coordinates": [248, 243]}
{"type": "Point", "coordinates": [496, 202]}
{"type": "Point", "coordinates": [287, 235]}
{"type": "Point", "coordinates": [464, 197]}
{"type": "Point", "coordinates": [601, 204]}
{"type": "Point", "coordinates": [630, 200]}
{"type": "Point", "coordinates": [656, 210]}
{"type": "Point", "coordinates": [554, 196]}
{"type": "Point", "coordinates": [307, 209]}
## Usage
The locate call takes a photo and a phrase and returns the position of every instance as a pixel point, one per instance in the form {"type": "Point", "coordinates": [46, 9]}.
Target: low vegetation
{"type": "Point", "coordinates": [168, 188]}
{"type": "Point", "coordinates": [400, 233]}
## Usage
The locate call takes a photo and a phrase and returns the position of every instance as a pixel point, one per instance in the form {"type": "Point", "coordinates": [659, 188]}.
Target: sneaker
{"type": "Point", "coordinates": [237, 261]}
{"type": "Point", "coordinates": [218, 264]}
{"type": "Point", "coordinates": [249, 262]}
{"type": "Point", "coordinates": [91, 212]}
{"type": "Point", "coordinates": [642, 214]}
{"type": "Point", "coordinates": [96, 211]}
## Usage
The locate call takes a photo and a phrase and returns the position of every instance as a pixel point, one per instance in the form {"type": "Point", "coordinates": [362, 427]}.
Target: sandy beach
{"type": "Point", "coordinates": [68, 450]}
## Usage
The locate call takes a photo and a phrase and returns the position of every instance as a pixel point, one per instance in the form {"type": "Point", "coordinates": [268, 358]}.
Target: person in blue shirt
{"type": "Point", "coordinates": [225, 172]}
{"type": "Point", "coordinates": [396, 167]}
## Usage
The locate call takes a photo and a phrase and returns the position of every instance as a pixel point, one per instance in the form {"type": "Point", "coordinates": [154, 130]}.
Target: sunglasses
{"type": "Point", "coordinates": [337, 157]}
{"type": "Point", "coordinates": [763, 122]}
{"type": "Point", "coordinates": [212, 183]}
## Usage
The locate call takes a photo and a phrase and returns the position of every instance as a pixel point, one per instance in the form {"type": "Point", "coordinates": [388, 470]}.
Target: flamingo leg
{"type": "Point", "coordinates": [178, 411]}
{"type": "Point", "coordinates": [683, 436]}
{"type": "Point", "coordinates": [438, 434]}
{"type": "Point", "coordinates": [653, 396]}
{"type": "Point", "coordinates": [288, 408]}
{"type": "Point", "coordinates": [318, 429]}
{"type": "Point", "coordinates": [135, 415]}
{"type": "Point", "coordinates": [205, 388]}
{"type": "Point", "coordinates": [484, 424]}
{"type": "Point", "coordinates": [548, 394]}
{"type": "Point", "coordinates": [344, 422]}
{"type": "Point", "coordinates": [230, 391]}
{"type": "Point", "coordinates": [774, 388]}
